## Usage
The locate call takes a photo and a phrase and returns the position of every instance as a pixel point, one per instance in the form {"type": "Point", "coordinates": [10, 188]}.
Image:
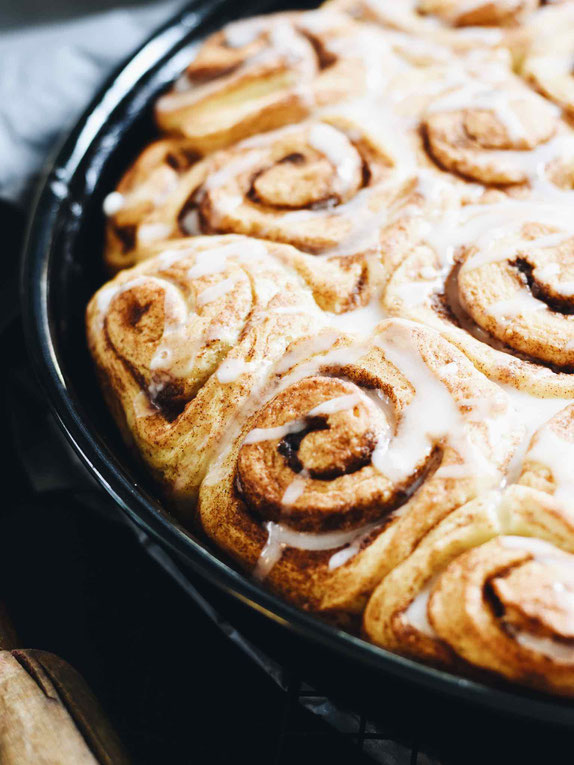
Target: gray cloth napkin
{"type": "Point", "coordinates": [48, 75]}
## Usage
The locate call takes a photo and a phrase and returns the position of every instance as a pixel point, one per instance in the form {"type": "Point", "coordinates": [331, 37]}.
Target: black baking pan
{"type": "Point", "coordinates": [61, 270]}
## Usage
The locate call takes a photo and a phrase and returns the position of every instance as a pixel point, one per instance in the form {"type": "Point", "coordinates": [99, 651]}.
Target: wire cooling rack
{"type": "Point", "coordinates": [367, 739]}
{"type": "Point", "coordinates": [311, 722]}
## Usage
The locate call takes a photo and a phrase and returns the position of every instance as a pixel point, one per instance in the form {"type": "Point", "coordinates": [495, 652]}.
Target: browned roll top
{"type": "Point", "coordinates": [259, 74]}
{"type": "Point", "coordinates": [294, 185]}
{"type": "Point", "coordinates": [352, 314]}
{"type": "Point", "coordinates": [332, 450]}
{"type": "Point", "coordinates": [490, 141]}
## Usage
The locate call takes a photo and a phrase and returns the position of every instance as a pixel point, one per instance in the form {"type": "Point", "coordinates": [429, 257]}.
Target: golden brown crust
{"type": "Point", "coordinates": [349, 329]}
{"type": "Point", "coordinates": [301, 462]}
{"type": "Point", "coordinates": [160, 333]}
{"type": "Point", "coordinates": [260, 74]}
{"type": "Point", "coordinates": [480, 591]}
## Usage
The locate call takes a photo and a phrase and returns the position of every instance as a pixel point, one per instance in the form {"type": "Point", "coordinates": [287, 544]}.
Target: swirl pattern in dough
{"type": "Point", "coordinates": [261, 73]}
{"type": "Point", "coordinates": [180, 340]}
{"type": "Point", "coordinates": [344, 464]}
{"type": "Point", "coordinates": [343, 336]}
{"type": "Point", "coordinates": [488, 589]}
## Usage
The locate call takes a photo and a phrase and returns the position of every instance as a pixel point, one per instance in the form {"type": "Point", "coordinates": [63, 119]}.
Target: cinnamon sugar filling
{"type": "Point", "coordinates": [447, 304]}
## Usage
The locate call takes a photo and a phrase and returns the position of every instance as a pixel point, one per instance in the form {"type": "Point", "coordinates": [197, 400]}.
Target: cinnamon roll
{"type": "Point", "coordinates": [492, 131]}
{"type": "Point", "coordinates": [143, 188]}
{"type": "Point", "coordinates": [499, 290]}
{"type": "Point", "coordinates": [343, 341]}
{"type": "Point", "coordinates": [322, 186]}
{"type": "Point", "coordinates": [351, 453]}
{"type": "Point", "coordinates": [547, 61]}
{"type": "Point", "coordinates": [261, 73]}
{"type": "Point", "coordinates": [181, 340]}
{"type": "Point", "coordinates": [487, 589]}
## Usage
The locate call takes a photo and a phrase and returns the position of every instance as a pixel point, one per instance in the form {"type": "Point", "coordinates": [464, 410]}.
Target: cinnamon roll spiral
{"type": "Point", "coordinates": [143, 188]}
{"type": "Point", "coordinates": [489, 131]}
{"type": "Point", "coordinates": [317, 186]}
{"type": "Point", "coordinates": [180, 340]}
{"type": "Point", "coordinates": [261, 73]}
{"type": "Point", "coordinates": [546, 62]}
{"type": "Point", "coordinates": [342, 464]}
{"type": "Point", "coordinates": [503, 297]}
{"type": "Point", "coordinates": [488, 589]}
{"type": "Point", "coordinates": [344, 339]}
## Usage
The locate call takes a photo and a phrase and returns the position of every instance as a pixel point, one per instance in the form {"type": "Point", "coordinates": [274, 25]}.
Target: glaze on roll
{"type": "Point", "coordinates": [261, 73]}
{"type": "Point", "coordinates": [345, 462]}
{"type": "Point", "coordinates": [341, 337]}
{"type": "Point", "coordinates": [488, 589]}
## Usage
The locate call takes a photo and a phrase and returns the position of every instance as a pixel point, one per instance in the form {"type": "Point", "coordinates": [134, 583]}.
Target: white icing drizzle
{"type": "Point", "coordinates": [332, 405]}
{"type": "Point", "coordinates": [337, 404]}
{"type": "Point", "coordinates": [153, 232]}
{"type": "Point", "coordinates": [432, 416]}
{"type": "Point", "coordinates": [142, 406]}
{"type": "Point", "coordinates": [214, 260]}
{"type": "Point", "coordinates": [215, 291]}
{"type": "Point", "coordinates": [281, 536]}
{"type": "Point", "coordinates": [556, 453]}
{"type": "Point", "coordinates": [546, 646]}
{"type": "Point", "coordinates": [360, 321]}
{"type": "Point", "coordinates": [190, 223]}
{"type": "Point", "coordinates": [230, 370]}
{"type": "Point", "coordinates": [243, 33]}
{"type": "Point", "coordinates": [416, 614]}
{"type": "Point", "coordinates": [522, 303]}
{"type": "Point", "coordinates": [307, 348]}
{"type": "Point", "coordinates": [295, 489]}
{"type": "Point", "coordinates": [344, 555]}
{"type": "Point", "coordinates": [537, 547]}
{"type": "Point", "coordinates": [113, 203]}
{"type": "Point", "coordinates": [338, 150]}
{"type": "Point", "coordinates": [172, 348]}
{"type": "Point", "coordinates": [257, 435]}
{"type": "Point", "coordinates": [532, 412]}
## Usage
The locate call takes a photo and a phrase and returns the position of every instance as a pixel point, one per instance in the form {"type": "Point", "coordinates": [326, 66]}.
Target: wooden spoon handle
{"type": "Point", "coordinates": [48, 715]}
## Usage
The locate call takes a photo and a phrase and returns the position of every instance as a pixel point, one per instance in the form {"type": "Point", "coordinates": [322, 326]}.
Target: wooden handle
{"type": "Point", "coordinates": [48, 715]}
